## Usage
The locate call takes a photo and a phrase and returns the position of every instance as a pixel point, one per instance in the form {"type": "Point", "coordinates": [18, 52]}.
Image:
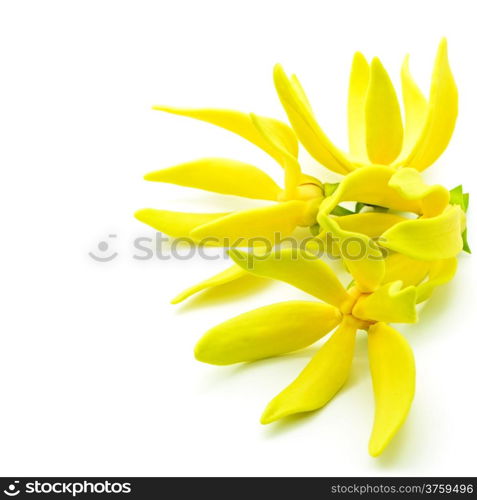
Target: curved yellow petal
{"type": "Point", "coordinates": [264, 225]}
{"type": "Point", "coordinates": [287, 161]}
{"type": "Point", "coordinates": [441, 272]}
{"type": "Point", "coordinates": [427, 239]}
{"type": "Point", "coordinates": [403, 268]}
{"type": "Point", "coordinates": [390, 303]}
{"type": "Point", "coordinates": [441, 115]}
{"type": "Point", "coordinates": [309, 132]}
{"type": "Point", "coordinates": [241, 124]}
{"type": "Point", "coordinates": [267, 331]}
{"type": "Point", "coordinates": [230, 274]}
{"type": "Point", "coordinates": [298, 268]}
{"type": "Point", "coordinates": [358, 87]}
{"type": "Point", "coordinates": [384, 133]}
{"type": "Point", "coordinates": [415, 108]}
{"type": "Point", "coordinates": [175, 224]}
{"type": "Point", "coordinates": [361, 255]}
{"type": "Point", "coordinates": [371, 185]}
{"type": "Point", "coordinates": [371, 224]}
{"type": "Point", "coordinates": [409, 184]}
{"type": "Point", "coordinates": [321, 379]}
{"type": "Point", "coordinates": [300, 91]}
{"type": "Point", "coordinates": [220, 175]}
{"type": "Point", "coordinates": [393, 372]}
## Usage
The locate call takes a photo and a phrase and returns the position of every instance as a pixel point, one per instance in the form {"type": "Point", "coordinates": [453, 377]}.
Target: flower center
{"type": "Point", "coordinates": [347, 308]}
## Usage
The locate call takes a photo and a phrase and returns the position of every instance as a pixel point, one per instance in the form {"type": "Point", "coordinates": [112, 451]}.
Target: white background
{"type": "Point", "coordinates": [97, 375]}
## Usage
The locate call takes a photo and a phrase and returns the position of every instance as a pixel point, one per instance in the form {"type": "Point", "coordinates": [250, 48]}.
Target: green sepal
{"type": "Point", "coordinates": [340, 211]}
{"type": "Point", "coordinates": [315, 229]}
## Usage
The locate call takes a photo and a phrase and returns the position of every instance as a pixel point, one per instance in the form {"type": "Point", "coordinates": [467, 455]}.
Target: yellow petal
{"type": "Point", "coordinates": [388, 303]}
{"type": "Point", "coordinates": [220, 175]}
{"type": "Point", "coordinates": [409, 184]}
{"type": "Point", "coordinates": [230, 274]}
{"type": "Point", "coordinates": [415, 108]}
{"type": "Point", "coordinates": [268, 331]}
{"type": "Point", "coordinates": [241, 124]}
{"type": "Point", "coordinates": [321, 379]}
{"type": "Point", "coordinates": [309, 132]}
{"type": "Point", "coordinates": [300, 91]}
{"type": "Point", "coordinates": [403, 268]}
{"type": "Point", "coordinates": [361, 255]}
{"type": "Point", "coordinates": [393, 373]}
{"type": "Point", "coordinates": [384, 132]}
{"type": "Point", "coordinates": [358, 87]}
{"type": "Point", "coordinates": [287, 161]}
{"type": "Point", "coordinates": [176, 224]}
{"type": "Point", "coordinates": [371, 224]}
{"type": "Point", "coordinates": [427, 239]}
{"type": "Point", "coordinates": [371, 185]}
{"type": "Point", "coordinates": [298, 268]}
{"type": "Point", "coordinates": [441, 272]}
{"type": "Point", "coordinates": [258, 225]}
{"type": "Point", "coordinates": [441, 115]}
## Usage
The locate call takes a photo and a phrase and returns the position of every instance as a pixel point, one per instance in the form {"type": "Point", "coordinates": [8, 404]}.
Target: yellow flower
{"type": "Point", "coordinates": [434, 232]}
{"type": "Point", "coordinates": [375, 128]}
{"type": "Point", "coordinates": [288, 326]}
{"type": "Point", "coordinates": [376, 138]}
{"type": "Point", "coordinates": [297, 203]}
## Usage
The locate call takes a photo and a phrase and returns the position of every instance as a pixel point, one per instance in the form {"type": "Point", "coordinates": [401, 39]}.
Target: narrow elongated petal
{"type": "Point", "coordinates": [441, 115]}
{"type": "Point", "coordinates": [441, 272]}
{"type": "Point", "coordinates": [230, 274]}
{"type": "Point", "coordinates": [287, 161]}
{"type": "Point", "coordinates": [298, 268]}
{"type": "Point", "coordinates": [175, 224]}
{"type": "Point", "coordinates": [393, 372]}
{"type": "Point", "coordinates": [321, 379]}
{"type": "Point", "coordinates": [361, 255]}
{"type": "Point", "coordinates": [390, 303]}
{"type": "Point", "coordinates": [268, 331]}
{"type": "Point", "coordinates": [220, 175]}
{"type": "Point", "coordinates": [415, 108]}
{"type": "Point", "coordinates": [403, 268]}
{"type": "Point", "coordinates": [301, 117]}
{"type": "Point", "coordinates": [241, 124]}
{"type": "Point", "coordinates": [384, 133]}
{"type": "Point", "coordinates": [427, 239]}
{"type": "Point", "coordinates": [262, 225]}
{"type": "Point", "coordinates": [409, 184]}
{"type": "Point", "coordinates": [358, 87]}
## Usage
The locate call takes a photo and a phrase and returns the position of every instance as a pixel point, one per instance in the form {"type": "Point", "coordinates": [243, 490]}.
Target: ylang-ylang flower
{"type": "Point", "coordinates": [378, 136]}
{"type": "Point", "coordinates": [288, 326]}
{"type": "Point", "coordinates": [398, 244]}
